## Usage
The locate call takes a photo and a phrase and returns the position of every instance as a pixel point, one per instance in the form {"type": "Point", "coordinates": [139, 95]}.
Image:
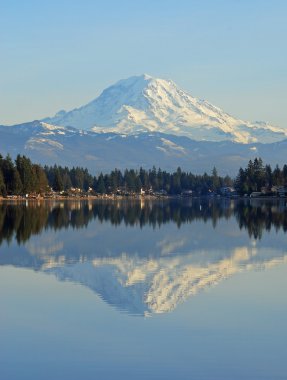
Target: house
{"type": "Point", "coordinates": [282, 191]}
{"type": "Point", "coordinates": [255, 194]}
{"type": "Point", "coordinates": [186, 193]}
{"type": "Point", "coordinates": [227, 191]}
{"type": "Point", "coordinates": [161, 193]}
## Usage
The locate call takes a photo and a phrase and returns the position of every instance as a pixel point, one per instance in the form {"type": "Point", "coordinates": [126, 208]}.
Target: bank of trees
{"type": "Point", "coordinates": [134, 180]}
{"type": "Point", "coordinates": [257, 176]}
{"type": "Point", "coordinates": [157, 180]}
{"type": "Point", "coordinates": [23, 177]}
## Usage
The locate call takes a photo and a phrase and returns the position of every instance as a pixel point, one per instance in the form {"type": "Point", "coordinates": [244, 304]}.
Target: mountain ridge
{"type": "Point", "coordinates": [67, 146]}
{"type": "Point", "coordinates": [145, 104]}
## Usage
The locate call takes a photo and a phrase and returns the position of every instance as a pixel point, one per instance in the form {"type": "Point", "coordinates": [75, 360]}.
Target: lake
{"type": "Point", "coordinates": [141, 289]}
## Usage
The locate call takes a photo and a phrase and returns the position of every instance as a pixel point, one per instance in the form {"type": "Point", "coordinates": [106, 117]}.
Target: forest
{"type": "Point", "coordinates": [21, 176]}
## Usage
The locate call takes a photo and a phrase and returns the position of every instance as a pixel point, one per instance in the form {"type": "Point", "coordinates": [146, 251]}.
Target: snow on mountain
{"type": "Point", "coordinates": [146, 104]}
{"type": "Point", "coordinates": [143, 121]}
{"type": "Point", "coordinates": [49, 144]}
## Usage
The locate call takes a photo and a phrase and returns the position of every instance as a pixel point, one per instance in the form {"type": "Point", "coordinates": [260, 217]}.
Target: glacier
{"type": "Point", "coordinates": [146, 104]}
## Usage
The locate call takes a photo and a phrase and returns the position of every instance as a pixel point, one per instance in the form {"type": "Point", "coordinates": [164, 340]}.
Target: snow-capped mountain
{"type": "Point", "coordinates": [146, 104]}
{"type": "Point", "coordinates": [143, 121]}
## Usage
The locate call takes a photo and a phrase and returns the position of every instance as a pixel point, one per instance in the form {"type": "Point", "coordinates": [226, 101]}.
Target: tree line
{"type": "Point", "coordinates": [257, 176]}
{"type": "Point", "coordinates": [24, 177]}
{"type": "Point", "coordinates": [21, 176]}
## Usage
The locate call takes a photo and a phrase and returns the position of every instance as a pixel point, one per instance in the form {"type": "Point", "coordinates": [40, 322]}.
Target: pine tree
{"type": "Point", "coordinates": [27, 175]}
{"type": "Point", "coordinates": [144, 178]}
{"type": "Point", "coordinates": [17, 186]}
{"type": "Point", "coordinates": [268, 176]}
{"type": "Point", "coordinates": [259, 173]}
{"type": "Point", "coordinates": [114, 180]}
{"type": "Point", "coordinates": [58, 182]}
{"type": "Point", "coordinates": [284, 174]}
{"type": "Point", "coordinates": [2, 184]}
{"type": "Point", "coordinates": [153, 179]}
{"type": "Point", "coordinates": [176, 182]}
{"type": "Point", "coordinates": [41, 179]}
{"type": "Point", "coordinates": [67, 183]}
{"type": "Point", "coordinates": [101, 189]}
{"type": "Point", "coordinates": [8, 170]}
{"type": "Point", "coordinates": [79, 178]}
{"type": "Point", "coordinates": [215, 180]}
{"type": "Point", "coordinates": [277, 177]}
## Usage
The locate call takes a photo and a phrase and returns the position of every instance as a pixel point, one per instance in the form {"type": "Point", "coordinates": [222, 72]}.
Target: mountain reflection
{"type": "Point", "coordinates": [144, 257]}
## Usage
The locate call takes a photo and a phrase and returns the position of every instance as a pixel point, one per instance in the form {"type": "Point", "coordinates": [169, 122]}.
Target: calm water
{"type": "Point", "coordinates": [143, 290]}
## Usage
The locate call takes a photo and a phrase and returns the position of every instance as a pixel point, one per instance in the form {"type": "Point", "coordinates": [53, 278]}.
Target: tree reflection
{"type": "Point", "coordinates": [21, 221]}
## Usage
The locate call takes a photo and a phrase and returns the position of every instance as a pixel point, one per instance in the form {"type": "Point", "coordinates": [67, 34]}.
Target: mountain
{"type": "Point", "coordinates": [146, 104]}
{"type": "Point", "coordinates": [143, 121]}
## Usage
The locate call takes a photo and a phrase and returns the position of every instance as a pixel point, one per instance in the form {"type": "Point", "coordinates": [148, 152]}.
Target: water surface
{"type": "Point", "coordinates": [189, 289]}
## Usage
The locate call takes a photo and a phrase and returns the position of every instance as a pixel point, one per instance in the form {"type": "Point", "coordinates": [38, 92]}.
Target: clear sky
{"type": "Point", "coordinates": [60, 54]}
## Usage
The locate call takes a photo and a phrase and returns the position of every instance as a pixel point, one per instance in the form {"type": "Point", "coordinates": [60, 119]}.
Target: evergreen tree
{"type": "Point", "coordinates": [284, 174]}
{"type": "Point", "coordinates": [41, 182]}
{"type": "Point", "coordinates": [8, 171]}
{"type": "Point", "coordinates": [17, 186]}
{"type": "Point", "coordinates": [2, 184]}
{"type": "Point", "coordinates": [101, 188]}
{"type": "Point", "coordinates": [176, 182]}
{"type": "Point", "coordinates": [144, 178]}
{"type": "Point", "coordinates": [138, 184]}
{"type": "Point", "coordinates": [58, 182]}
{"type": "Point", "coordinates": [227, 181]}
{"type": "Point", "coordinates": [259, 173]}
{"type": "Point", "coordinates": [153, 180]}
{"type": "Point", "coordinates": [277, 177]}
{"type": "Point", "coordinates": [88, 180]}
{"type": "Point", "coordinates": [27, 175]}
{"type": "Point", "coordinates": [79, 178]}
{"type": "Point", "coordinates": [130, 180]}
{"type": "Point", "coordinates": [215, 180]}
{"type": "Point", "coordinates": [268, 176]}
{"type": "Point", "coordinates": [67, 183]}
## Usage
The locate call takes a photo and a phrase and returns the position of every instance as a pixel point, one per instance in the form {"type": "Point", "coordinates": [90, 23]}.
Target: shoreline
{"type": "Point", "coordinates": [135, 198]}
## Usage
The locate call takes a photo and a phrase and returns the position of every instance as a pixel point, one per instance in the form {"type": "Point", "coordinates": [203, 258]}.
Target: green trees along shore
{"type": "Point", "coordinates": [21, 176]}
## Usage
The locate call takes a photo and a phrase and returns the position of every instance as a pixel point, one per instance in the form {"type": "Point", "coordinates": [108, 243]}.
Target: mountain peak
{"type": "Point", "coordinates": [133, 80]}
{"type": "Point", "coordinates": [143, 103]}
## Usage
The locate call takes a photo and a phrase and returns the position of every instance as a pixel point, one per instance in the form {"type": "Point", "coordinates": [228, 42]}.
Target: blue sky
{"type": "Point", "coordinates": [61, 54]}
